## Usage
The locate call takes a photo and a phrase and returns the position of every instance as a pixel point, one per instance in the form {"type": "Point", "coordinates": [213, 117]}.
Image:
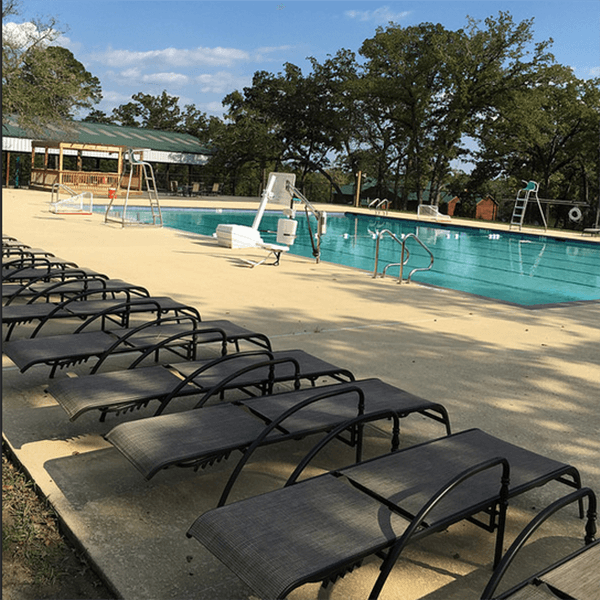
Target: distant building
{"type": "Point", "coordinates": [89, 156]}
{"type": "Point", "coordinates": [452, 206]}
{"type": "Point", "coordinates": [486, 209]}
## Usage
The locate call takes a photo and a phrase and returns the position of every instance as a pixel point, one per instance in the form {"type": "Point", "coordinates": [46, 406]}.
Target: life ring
{"type": "Point", "coordinates": [575, 214]}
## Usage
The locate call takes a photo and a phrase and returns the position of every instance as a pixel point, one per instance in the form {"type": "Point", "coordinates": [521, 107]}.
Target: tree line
{"type": "Point", "coordinates": [410, 103]}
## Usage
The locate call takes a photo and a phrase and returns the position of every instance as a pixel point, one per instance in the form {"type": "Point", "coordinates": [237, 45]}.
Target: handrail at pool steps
{"type": "Point", "coordinates": [402, 241]}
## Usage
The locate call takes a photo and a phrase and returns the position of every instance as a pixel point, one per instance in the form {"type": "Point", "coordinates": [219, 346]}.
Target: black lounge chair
{"type": "Point", "coordinates": [74, 281]}
{"type": "Point", "coordinates": [576, 576]}
{"type": "Point", "coordinates": [196, 438]}
{"type": "Point", "coordinates": [36, 267]}
{"type": "Point", "coordinates": [170, 333]}
{"type": "Point", "coordinates": [134, 388]}
{"type": "Point", "coordinates": [14, 251]}
{"type": "Point", "coordinates": [83, 306]}
{"type": "Point", "coordinates": [320, 528]}
{"type": "Point", "coordinates": [59, 291]}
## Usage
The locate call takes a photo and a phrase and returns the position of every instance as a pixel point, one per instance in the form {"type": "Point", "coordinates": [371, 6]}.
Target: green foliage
{"type": "Point", "coordinates": [42, 83]}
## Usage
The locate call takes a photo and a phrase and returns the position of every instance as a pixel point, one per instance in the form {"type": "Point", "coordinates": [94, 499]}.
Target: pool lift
{"type": "Point", "coordinates": [530, 191]}
{"type": "Point", "coordinates": [118, 214]}
{"type": "Point", "coordinates": [280, 190]}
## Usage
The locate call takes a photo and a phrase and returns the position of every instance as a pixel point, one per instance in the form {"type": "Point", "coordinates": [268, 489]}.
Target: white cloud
{"type": "Point", "coordinates": [25, 34]}
{"type": "Point", "coordinates": [173, 57]}
{"type": "Point", "coordinates": [222, 82]}
{"type": "Point", "coordinates": [379, 15]}
{"type": "Point", "coordinates": [167, 79]}
{"type": "Point", "coordinates": [264, 53]}
{"type": "Point", "coordinates": [215, 108]}
{"type": "Point", "coordinates": [595, 72]}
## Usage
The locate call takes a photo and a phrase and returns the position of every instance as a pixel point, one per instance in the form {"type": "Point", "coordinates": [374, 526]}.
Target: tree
{"type": "Point", "coordinates": [547, 132]}
{"type": "Point", "coordinates": [436, 86]}
{"type": "Point", "coordinates": [158, 112]}
{"type": "Point", "coordinates": [41, 83]}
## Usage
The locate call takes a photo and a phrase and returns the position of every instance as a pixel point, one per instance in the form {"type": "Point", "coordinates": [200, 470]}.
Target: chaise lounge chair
{"type": "Point", "coordinates": [576, 576]}
{"type": "Point", "coordinates": [33, 267]}
{"type": "Point", "coordinates": [84, 306]}
{"type": "Point", "coordinates": [320, 528]}
{"type": "Point", "coordinates": [59, 291]}
{"type": "Point", "coordinates": [250, 372]}
{"type": "Point", "coordinates": [170, 333]}
{"type": "Point", "coordinates": [200, 437]}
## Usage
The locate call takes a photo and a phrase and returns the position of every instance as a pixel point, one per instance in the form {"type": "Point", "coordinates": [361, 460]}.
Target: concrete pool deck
{"type": "Point", "coordinates": [531, 377]}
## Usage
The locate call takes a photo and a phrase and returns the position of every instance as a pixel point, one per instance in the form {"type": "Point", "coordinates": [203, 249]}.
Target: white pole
{"type": "Point", "coordinates": [263, 204]}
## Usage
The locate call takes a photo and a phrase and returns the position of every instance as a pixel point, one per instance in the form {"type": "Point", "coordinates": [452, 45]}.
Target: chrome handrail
{"type": "Point", "coordinates": [56, 187]}
{"type": "Point", "coordinates": [403, 260]}
{"type": "Point", "coordinates": [406, 237]}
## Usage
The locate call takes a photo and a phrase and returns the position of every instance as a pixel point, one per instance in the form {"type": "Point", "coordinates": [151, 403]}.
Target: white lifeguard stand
{"type": "Point", "coordinates": [524, 195]}
{"type": "Point", "coordinates": [118, 213]}
{"type": "Point", "coordinates": [280, 190]}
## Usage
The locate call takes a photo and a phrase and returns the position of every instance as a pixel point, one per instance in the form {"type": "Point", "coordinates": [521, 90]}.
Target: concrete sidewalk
{"type": "Point", "coordinates": [530, 377]}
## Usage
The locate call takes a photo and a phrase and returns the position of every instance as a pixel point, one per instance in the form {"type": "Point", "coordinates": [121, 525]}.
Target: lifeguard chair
{"type": "Point", "coordinates": [530, 191]}
{"type": "Point", "coordinates": [118, 213]}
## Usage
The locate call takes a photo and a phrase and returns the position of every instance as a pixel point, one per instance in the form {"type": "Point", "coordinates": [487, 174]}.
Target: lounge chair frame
{"type": "Point", "coordinates": [589, 540]}
{"type": "Point", "coordinates": [373, 513]}
{"type": "Point", "coordinates": [155, 444]}
{"type": "Point", "coordinates": [193, 380]}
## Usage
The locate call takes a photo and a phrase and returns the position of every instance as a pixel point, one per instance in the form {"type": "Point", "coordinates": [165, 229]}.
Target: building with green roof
{"type": "Point", "coordinates": [90, 156]}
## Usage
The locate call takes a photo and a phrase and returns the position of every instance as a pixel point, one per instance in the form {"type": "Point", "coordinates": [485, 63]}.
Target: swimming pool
{"type": "Point", "coordinates": [528, 270]}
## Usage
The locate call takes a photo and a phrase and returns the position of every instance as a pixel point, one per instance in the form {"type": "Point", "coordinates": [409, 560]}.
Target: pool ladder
{"type": "Point", "coordinates": [403, 260]}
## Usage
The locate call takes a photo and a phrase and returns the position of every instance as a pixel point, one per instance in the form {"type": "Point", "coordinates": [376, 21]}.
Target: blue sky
{"type": "Point", "coordinates": [202, 50]}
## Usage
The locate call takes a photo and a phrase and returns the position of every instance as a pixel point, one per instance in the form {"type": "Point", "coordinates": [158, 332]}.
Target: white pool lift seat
{"type": "Point", "coordinates": [280, 190]}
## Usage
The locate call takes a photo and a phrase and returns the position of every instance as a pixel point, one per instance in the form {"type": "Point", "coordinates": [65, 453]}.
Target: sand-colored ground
{"type": "Point", "coordinates": [531, 377]}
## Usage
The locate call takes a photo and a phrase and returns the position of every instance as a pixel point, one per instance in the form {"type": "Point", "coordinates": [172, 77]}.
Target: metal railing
{"type": "Point", "coordinates": [403, 250]}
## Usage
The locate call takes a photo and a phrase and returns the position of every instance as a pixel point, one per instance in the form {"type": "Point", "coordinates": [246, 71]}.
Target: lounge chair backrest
{"type": "Point", "coordinates": [531, 528]}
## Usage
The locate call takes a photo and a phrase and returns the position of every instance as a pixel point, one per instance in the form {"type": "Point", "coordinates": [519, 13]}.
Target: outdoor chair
{"type": "Point", "coordinates": [253, 373]}
{"type": "Point", "coordinates": [198, 438]}
{"type": "Point", "coordinates": [83, 306]}
{"type": "Point", "coordinates": [42, 268]}
{"type": "Point", "coordinates": [576, 576]}
{"type": "Point", "coordinates": [59, 291]}
{"type": "Point", "coordinates": [318, 529]}
{"type": "Point", "coordinates": [163, 333]}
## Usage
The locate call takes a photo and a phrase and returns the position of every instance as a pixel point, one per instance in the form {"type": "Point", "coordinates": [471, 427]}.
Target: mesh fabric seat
{"type": "Point", "coordinates": [199, 435]}
{"type": "Point", "coordinates": [132, 388]}
{"type": "Point", "coordinates": [280, 540]}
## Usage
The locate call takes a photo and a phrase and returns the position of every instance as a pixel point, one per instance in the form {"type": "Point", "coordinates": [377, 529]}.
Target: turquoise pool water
{"type": "Point", "coordinates": [522, 269]}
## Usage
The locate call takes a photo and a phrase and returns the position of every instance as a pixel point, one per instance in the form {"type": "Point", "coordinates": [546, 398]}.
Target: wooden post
{"type": "Point", "coordinates": [358, 184]}
{"type": "Point", "coordinates": [60, 163]}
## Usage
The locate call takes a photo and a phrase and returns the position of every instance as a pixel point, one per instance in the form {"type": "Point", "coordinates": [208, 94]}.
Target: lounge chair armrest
{"type": "Point", "coordinates": [55, 287]}
{"type": "Point", "coordinates": [122, 339]}
{"type": "Point", "coordinates": [534, 525]}
{"type": "Point", "coordinates": [125, 305]}
{"type": "Point", "coordinates": [277, 422]}
{"type": "Point", "coordinates": [268, 363]}
{"type": "Point", "coordinates": [336, 431]}
{"type": "Point", "coordinates": [118, 307]}
{"type": "Point", "coordinates": [416, 522]}
{"type": "Point", "coordinates": [206, 367]}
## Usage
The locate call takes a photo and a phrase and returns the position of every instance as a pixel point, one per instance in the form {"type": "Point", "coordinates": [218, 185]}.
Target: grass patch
{"type": "Point", "coordinates": [37, 560]}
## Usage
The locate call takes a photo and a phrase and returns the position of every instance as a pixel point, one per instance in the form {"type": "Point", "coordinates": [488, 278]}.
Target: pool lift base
{"type": "Point", "coordinates": [280, 190]}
